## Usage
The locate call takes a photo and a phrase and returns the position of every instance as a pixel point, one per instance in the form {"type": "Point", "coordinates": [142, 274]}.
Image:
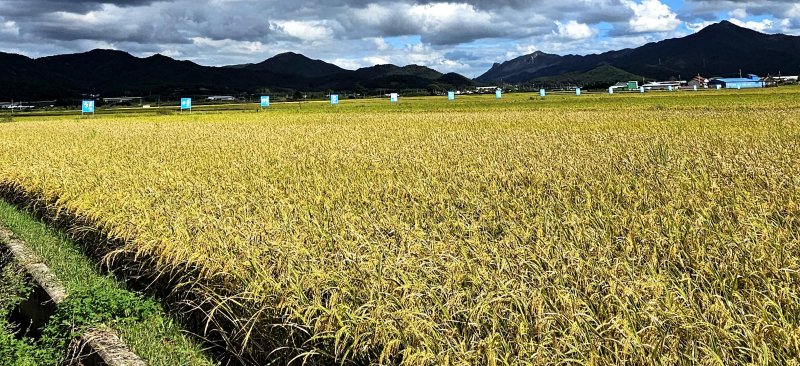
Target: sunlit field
{"type": "Point", "coordinates": [626, 229]}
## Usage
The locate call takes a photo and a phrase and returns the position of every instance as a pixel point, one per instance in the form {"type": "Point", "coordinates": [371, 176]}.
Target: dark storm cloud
{"type": "Point", "coordinates": [137, 21]}
{"type": "Point", "coordinates": [707, 8]}
{"type": "Point", "coordinates": [147, 33]}
{"type": "Point", "coordinates": [32, 8]}
{"type": "Point", "coordinates": [250, 20]}
{"type": "Point", "coordinates": [462, 56]}
{"type": "Point", "coordinates": [436, 22]}
{"type": "Point", "coordinates": [777, 15]}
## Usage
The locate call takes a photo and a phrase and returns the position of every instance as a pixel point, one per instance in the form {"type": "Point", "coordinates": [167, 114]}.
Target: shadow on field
{"type": "Point", "coordinates": [207, 308]}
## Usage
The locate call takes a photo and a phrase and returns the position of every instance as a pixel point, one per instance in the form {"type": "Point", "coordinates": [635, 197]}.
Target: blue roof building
{"type": "Point", "coordinates": [751, 81]}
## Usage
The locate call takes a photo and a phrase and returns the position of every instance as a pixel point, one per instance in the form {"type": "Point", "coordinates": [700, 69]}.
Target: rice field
{"type": "Point", "coordinates": [626, 229]}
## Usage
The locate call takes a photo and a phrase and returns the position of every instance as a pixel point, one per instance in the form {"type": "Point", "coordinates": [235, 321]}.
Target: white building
{"type": "Point", "coordinates": [225, 98]}
{"type": "Point", "coordinates": [662, 85]}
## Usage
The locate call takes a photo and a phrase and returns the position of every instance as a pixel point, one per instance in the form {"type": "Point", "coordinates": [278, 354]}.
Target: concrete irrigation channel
{"type": "Point", "coordinates": [100, 346]}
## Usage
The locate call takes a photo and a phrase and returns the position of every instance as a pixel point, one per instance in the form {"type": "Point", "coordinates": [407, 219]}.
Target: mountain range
{"type": "Point", "coordinates": [721, 49]}
{"type": "Point", "coordinates": [117, 73]}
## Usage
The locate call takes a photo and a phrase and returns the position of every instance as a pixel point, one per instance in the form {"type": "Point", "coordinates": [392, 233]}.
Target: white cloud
{"type": "Point", "coordinates": [441, 16]}
{"type": "Point", "coordinates": [443, 23]}
{"type": "Point", "coordinates": [793, 11]}
{"type": "Point", "coordinates": [652, 16]}
{"type": "Point", "coordinates": [525, 49]}
{"type": "Point", "coordinates": [9, 27]}
{"type": "Point", "coordinates": [350, 64]}
{"type": "Point", "coordinates": [306, 31]}
{"type": "Point", "coordinates": [573, 30]}
{"type": "Point", "coordinates": [374, 60]}
{"type": "Point", "coordinates": [761, 26]}
{"type": "Point", "coordinates": [415, 53]}
{"type": "Point", "coordinates": [381, 44]}
{"type": "Point", "coordinates": [740, 13]}
{"type": "Point", "coordinates": [230, 46]}
{"type": "Point", "coordinates": [695, 27]}
{"type": "Point", "coordinates": [172, 53]}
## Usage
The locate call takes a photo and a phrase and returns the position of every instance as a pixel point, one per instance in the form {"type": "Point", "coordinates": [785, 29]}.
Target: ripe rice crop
{"type": "Point", "coordinates": [422, 235]}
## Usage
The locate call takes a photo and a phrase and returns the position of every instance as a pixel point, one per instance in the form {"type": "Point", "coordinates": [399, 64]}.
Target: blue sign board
{"type": "Point", "coordinates": [451, 96]}
{"type": "Point", "coordinates": [87, 106]}
{"type": "Point", "coordinates": [394, 97]}
{"type": "Point", "coordinates": [542, 93]}
{"type": "Point", "coordinates": [334, 99]}
{"type": "Point", "coordinates": [186, 103]}
{"type": "Point", "coordinates": [498, 94]}
{"type": "Point", "coordinates": [578, 91]}
{"type": "Point", "coordinates": [669, 88]}
{"type": "Point", "coordinates": [264, 101]}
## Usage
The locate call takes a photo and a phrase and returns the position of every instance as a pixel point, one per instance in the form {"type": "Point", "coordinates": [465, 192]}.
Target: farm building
{"type": "Point", "coordinates": [786, 79]}
{"type": "Point", "coordinates": [226, 98]}
{"type": "Point", "coordinates": [662, 85]}
{"type": "Point", "coordinates": [751, 81]}
{"type": "Point", "coordinates": [620, 85]}
{"type": "Point", "coordinates": [13, 106]}
{"type": "Point", "coordinates": [778, 80]}
{"type": "Point", "coordinates": [486, 89]}
{"type": "Point", "coordinates": [698, 81]}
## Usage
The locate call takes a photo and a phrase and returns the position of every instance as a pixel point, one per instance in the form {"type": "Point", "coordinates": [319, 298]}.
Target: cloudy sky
{"type": "Point", "coordinates": [459, 35]}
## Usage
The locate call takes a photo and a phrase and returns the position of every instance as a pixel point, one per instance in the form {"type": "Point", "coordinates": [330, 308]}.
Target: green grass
{"type": "Point", "coordinates": [12, 290]}
{"type": "Point", "coordinates": [141, 323]}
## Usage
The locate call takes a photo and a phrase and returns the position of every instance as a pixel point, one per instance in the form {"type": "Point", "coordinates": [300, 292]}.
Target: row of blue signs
{"type": "Point", "coordinates": [186, 103]}
{"type": "Point", "coordinates": [88, 106]}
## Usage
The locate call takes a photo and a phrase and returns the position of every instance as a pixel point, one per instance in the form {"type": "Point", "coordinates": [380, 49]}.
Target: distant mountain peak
{"type": "Point", "coordinates": [539, 54]}
{"type": "Point", "coordinates": [290, 63]}
{"type": "Point", "coordinates": [104, 53]}
{"type": "Point", "coordinates": [106, 50]}
{"type": "Point", "coordinates": [287, 55]}
{"type": "Point", "coordinates": [726, 26]}
{"type": "Point", "coordinates": [158, 56]}
{"type": "Point", "coordinates": [94, 57]}
{"type": "Point", "coordinates": [515, 69]}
